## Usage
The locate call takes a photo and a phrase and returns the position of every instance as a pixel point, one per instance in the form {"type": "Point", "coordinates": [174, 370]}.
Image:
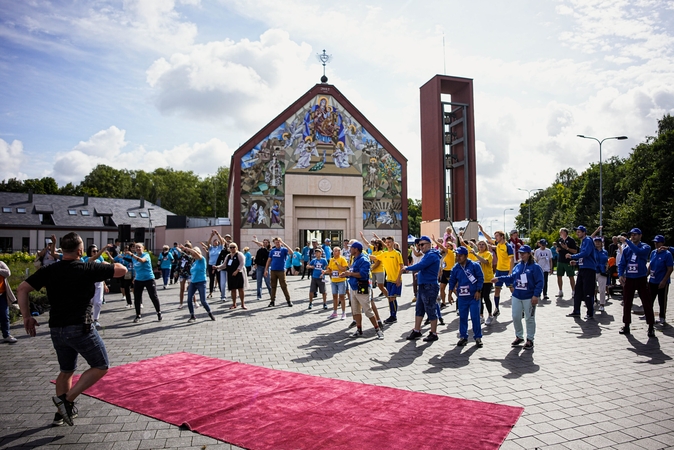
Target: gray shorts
{"type": "Point", "coordinates": [317, 285]}
{"type": "Point", "coordinates": [379, 277]}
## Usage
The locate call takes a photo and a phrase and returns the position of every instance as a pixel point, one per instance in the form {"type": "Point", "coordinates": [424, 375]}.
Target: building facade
{"type": "Point", "coordinates": [318, 170]}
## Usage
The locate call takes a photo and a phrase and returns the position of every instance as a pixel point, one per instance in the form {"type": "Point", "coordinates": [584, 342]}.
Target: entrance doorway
{"type": "Point", "coordinates": [335, 237]}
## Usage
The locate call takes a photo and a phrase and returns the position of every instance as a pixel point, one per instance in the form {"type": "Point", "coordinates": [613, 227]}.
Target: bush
{"type": "Point", "coordinates": [19, 264]}
{"type": "Point", "coordinates": [8, 258]}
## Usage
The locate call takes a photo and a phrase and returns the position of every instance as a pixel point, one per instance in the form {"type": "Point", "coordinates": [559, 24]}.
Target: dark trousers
{"type": "Point", "coordinates": [305, 270]}
{"type": "Point", "coordinates": [151, 287]}
{"type": "Point", "coordinates": [545, 284]}
{"type": "Point", "coordinates": [125, 286]}
{"type": "Point", "coordinates": [637, 284]}
{"type": "Point", "coordinates": [213, 278]}
{"type": "Point", "coordinates": [585, 284]}
{"type": "Point", "coordinates": [661, 294]}
{"type": "Point", "coordinates": [486, 291]}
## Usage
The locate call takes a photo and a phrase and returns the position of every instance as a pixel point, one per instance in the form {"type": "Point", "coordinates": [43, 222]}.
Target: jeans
{"type": "Point", "coordinates": [469, 304]}
{"type": "Point", "coordinates": [4, 315]}
{"type": "Point", "coordinates": [519, 305]}
{"type": "Point", "coordinates": [427, 295]}
{"type": "Point", "coordinates": [259, 272]}
{"type": "Point", "coordinates": [78, 339]}
{"type": "Point", "coordinates": [201, 287]}
{"type": "Point", "coordinates": [165, 274]}
{"type": "Point", "coordinates": [223, 284]}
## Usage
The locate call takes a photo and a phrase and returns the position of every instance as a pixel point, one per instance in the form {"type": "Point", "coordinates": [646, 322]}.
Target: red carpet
{"type": "Point", "coordinates": [259, 408]}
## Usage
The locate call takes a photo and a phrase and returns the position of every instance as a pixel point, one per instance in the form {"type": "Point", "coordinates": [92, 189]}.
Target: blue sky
{"type": "Point", "coordinates": [161, 83]}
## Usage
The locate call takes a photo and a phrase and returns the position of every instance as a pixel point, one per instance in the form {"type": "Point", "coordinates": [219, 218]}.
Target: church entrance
{"type": "Point", "coordinates": [335, 237]}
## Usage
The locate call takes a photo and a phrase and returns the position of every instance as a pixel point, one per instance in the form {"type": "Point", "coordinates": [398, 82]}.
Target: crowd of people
{"type": "Point", "coordinates": [443, 268]}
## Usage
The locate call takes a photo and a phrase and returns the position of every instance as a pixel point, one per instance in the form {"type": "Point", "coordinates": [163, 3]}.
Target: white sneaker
{"type": "Point", "coordinates": [380, 334]}
{"type": "Point", "coordinates": [10, 339]}
{"type": "Point", "coordinates": [97, 325]}
{"type": "Point", "coordinates": [343, 316]}
{"type": "Point", "coordinates": [489, 320]}
{"type": "Point", "coordinates": [141, 306]}
{"type": "Point", "coordinates": [601, 308]}
{"type": "Point", "coordinates": [481, 320]}
{"type": "Point", "coordinates": [560, 294]}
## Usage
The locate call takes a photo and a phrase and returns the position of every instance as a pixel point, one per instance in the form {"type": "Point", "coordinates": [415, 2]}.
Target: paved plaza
{"type": "Point", "coordinates": [583, 386]}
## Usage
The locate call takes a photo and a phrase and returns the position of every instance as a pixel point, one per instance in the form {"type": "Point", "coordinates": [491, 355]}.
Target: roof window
{"type": "Point", "coordinates": [72, 212]}
{"type": "Point", "coordinates": [144, 215]}
{"type": "Point", "coordinates": [6, 209]}
{"type": "Point", "coordinates": [21, 210]}
{"type": "Point", "coordinates": [84, 212]}
{"type": "Point", "coordinates": [131, 214]}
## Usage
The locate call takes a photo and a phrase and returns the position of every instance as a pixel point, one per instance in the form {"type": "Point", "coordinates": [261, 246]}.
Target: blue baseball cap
{"type": "Point", "coordinates": [635, 231]}
{"type": "Point", "coordinates": [543, 241]}
{"type": "Point", "coordinates": [525, 249]}
{"type": "Point", "coordinates": [461, 251]}
{"type": "Point", "coordinates": [423, 239]}
{"type": "Point", "coordinates": [581, 228]}
{"type": "Point", "coordinates": [598, 238]}
{"type": "Point", "coordinates": [357, 245]}
{"type": "Point", "coordinates": [659, 238]}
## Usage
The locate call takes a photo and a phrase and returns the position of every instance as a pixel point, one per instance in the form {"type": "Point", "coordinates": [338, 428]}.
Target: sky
{"type": "Point", "coordinates": [142, 84]}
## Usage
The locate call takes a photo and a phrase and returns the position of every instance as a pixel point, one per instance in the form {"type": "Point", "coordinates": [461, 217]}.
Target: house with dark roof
{"type": "Point", "coordinates": [26, 220]}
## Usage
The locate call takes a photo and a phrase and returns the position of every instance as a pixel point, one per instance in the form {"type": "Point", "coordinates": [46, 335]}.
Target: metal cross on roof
{"type": "Point", "coordinates": [324, 58]}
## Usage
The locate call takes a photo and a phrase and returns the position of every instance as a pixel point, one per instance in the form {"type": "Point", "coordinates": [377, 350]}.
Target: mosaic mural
{"type": "Point", "coordinates": [320, 139]}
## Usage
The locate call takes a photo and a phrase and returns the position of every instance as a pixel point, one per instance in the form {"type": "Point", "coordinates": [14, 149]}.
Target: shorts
{"type": "Point", "coordinates": [360, 304]}
{"type": "Point", "coordinates": [297, 268]}
{"type": "Point", "coordinates": [186, 277]}
{"type": "Point", "coordinates": [379, 277]}
{"type": "Point", "coordinates": [444, 277]}
{"type": "Point", "coordinates": [393, 289]}
{"type": "Point", "coordinates": [339, 287]}
{"type": "Point", "coordinates": [567, 269]}
{"type": "Point", "coordinates": [79, 339]}
{"type": "Point", "coordinates": [501, 273]}
{"type": "Point", "coordinates": [427, 298]}
{"type": "Point", "coordinates": [317, 284]}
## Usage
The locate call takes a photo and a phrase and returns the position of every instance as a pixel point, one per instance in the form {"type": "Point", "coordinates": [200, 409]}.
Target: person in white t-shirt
{"type": "Point", "coordinates": [543, 257]}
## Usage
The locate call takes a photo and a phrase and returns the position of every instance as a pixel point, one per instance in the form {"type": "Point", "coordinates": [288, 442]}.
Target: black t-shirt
{"type": "Point", "coordinates": [571, 243]}
{"type": "Point", "coordinates": [261, 256]}
{"type": "Point", "coordinates": [70, 287]}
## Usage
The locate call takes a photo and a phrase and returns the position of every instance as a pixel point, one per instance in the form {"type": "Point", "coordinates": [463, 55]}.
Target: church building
{"type": "Point", "coordinates": [319, 170]}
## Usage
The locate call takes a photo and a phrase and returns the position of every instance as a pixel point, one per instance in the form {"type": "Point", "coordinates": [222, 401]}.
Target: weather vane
{"type": "Point", "coordinates": [324, 58]}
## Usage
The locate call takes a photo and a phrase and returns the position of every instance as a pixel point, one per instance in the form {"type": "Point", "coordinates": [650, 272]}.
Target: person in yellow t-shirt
{"type": "Point", "coordinates": [486, 260]}
{"type": "Point", "coordinates": [505, 261]}
{"type": "Point", "coordinates": [377, 273]}
{"type": "Point", "coordinates": [392, 260]}
{"type": "Point", "coordinates": [337, 265]}
{"type": "Point", "coordinates": [448, 260]}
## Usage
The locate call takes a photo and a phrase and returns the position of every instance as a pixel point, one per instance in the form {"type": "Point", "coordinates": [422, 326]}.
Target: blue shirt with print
{"type": "Point", "coordinates": [660, 262]}
{"type": "Point", "coordinates": [532, 287]}
{"type": "Point", "coordinates": [634, 259]}
{"type": "Point", "coordinates": [468, 279]}
{"type": "Point", "coordinates": [319, 266]}
{"type": "Point", "coordinates": [278, 258]}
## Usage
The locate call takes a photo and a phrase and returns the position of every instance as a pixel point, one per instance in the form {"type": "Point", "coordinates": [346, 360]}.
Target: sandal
{"type": "Point", "coordinates": [232, 307]}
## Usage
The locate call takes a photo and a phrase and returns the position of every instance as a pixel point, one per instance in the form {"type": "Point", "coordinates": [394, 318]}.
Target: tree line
{"type": "Point", "coordinates": [638, 191]}
{"type": "Point", "coordinates": [181, 192]}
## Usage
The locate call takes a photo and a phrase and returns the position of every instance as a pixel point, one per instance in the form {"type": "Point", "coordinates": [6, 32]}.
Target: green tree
{"type": "Point", "coordinates": [413, 216]}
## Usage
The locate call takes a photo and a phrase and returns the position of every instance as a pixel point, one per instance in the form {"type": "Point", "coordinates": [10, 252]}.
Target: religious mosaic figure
{"type": "Point", "coordinates": [323, 123]}
{"type": "Point", "coordinates": [252, 214]}
{"type": "Point", "coordinates": [274, 174]}
{"type": "Point", "coordinates": [276, 213]}
{"type": "Point", "coordinates": [305, 149]}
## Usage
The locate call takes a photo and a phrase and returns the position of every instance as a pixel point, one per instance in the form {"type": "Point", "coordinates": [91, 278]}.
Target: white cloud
{"type": "Point", "coordinates": [12, 158]}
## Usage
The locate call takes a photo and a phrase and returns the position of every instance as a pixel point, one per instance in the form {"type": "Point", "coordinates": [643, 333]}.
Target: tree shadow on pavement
{"type": "Point", "coordinates": [325, 346]}
{"type": "Point", "coordinates": [651, 349]}
{"type": "Point", "coordinates": [452, 359]}
{"type": "Point", "coordinates": [404, 357]}
{"type": "Point", "coordinates": [517, 362]}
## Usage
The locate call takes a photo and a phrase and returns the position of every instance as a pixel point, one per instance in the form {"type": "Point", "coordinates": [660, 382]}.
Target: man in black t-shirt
{"type": "Point", "coordinates": [567, 245]}
{"type": "Point", "coordinates": [70, 286]}
{"type": "Point", "coordinates": [260, 261]}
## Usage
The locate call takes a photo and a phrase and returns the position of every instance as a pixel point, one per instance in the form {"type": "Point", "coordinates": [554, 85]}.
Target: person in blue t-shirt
{"type": "Point", "coordinates": [660, 269]}
{"type": "Point", "coordinates": [165, 259]}
{"type": "Point", "coordinates": [297, 261]}
{"type": "Point", "coordinates": [327, 249]}
{"type": "Point", "coordinates": [317, 266]}
{"type": "Point", "coordinates": [175, 252]}
{"type": "Point", "coordinates": [126, 282]}
{"type": "Point", "coordinates": [305, 259]}
{"type": "Point", "coordinates": [634, 277]}
{"type": "Point", "coordinates": [197, 281]}
{"type": "Point", "coordinates": [587, 274]}
{"type": "Point", "coordinates": [142, 265]}
{"type": "Point", "coordinates": [601, 256]}
{"type": "Point", "coordinates": [275, 269]}
{"type": "Point", "coordinates": [213, 247]}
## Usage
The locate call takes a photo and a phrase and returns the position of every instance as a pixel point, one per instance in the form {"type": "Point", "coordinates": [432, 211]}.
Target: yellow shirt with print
{"type": "Point", "coordinates": [376, 254]}
{"type": "Point", "coordinates": [487, 268]}
{"type": "Point", "coordinates": [334, 266]}
{"type": "Point", "coordinates": [503, 262]}
{"type": "Point", "coordinates": [449, 259]}
{"type": "Point", "coordinates": [391, 260]}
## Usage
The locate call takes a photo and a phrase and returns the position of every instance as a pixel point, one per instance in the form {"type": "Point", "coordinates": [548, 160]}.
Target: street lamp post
{"type": "Point", "coordinates": [601, 187]}
{"type": "Point", "coordinates": [149, 218]}
{"type": "Point", "coordinates": [507, 209]}
{"type": "Point", "coordinates": [529, 191]}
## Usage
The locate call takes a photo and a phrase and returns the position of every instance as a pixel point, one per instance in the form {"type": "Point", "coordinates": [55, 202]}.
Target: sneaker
{"type": "Point", "coordinates": [431, 337]}
{"type": "Point", "coordinates": [462, 342]}
{"type": "Point", "coordinates": [137, 319]}
{"type": "Point", "coordinates": [489, 320]}
{"type": "Point", "coordinates": [481, 320]}
{"type": "Point", "coordinates": [58, 418]}
{"type": "Point", "coordinates": [128, 305]}
{"type": "Point", "coordinates": [192, 319]}
{"type": "Point", "coordinates": [380, 324]}
{"type": "Point", "coordinates": [478, 343]}
{"type": "Point", "coordinates": [625, 330]}
{"type": "Point", "coordinates": [642, 317]}
{"type": "Point", "coordinates": [529, 345]}
{"type": "Point", "coordinates": [517, 342]}
{"type": "Point", "coordinates": [271, 303]}
{"type": "Point", "coordinates": [380, 334]}
{"type": "Point", "coordinates": [141, 306]}
{"type": "Point", "coordinates": [181, 306]}
{"type": "Point", "coordinates": [573, 314]}
{"type": "Point", "coordinates": [414, 335]}
{"type": "Point", "coordinates": [310, 305]}
{"type": "Point", "coordinates": [211, 316]}
{"type": "Point", "coordinates": [65, 408]}
{"type": "Point", "coordinates": [352, 324]}
{"type": "Point", "coordinates": [325, 306]}
{"type": "Point", "coordinates": [210, 295]}
{"type": "Point", "coordinates": [601, 308]}
{"type": "Point", "coordinates": [391, 320]}
{"type": "Point", "coordinates": [440, 321]}
{"type": "Point", "coordinates": [560, 294]}
{"type": "Point", "coordinates": [497, 313]}
{"type": "Point", "coordinates": [357, 333]}
{"type": "Point", "coordinates": [159, 317]}
{"type": "Point", "coordinates": [290, 303]}
{"type": "Point", "coordinates": [164, 287]}
{"type": "Point", "coordinates": [332, 316]}
{"type": "Point", "coordinates": [427, 322]}
{"type": "Point", "coordinates": [343, 316]}
{"type": "Point", "coordinates": [9, 339]}
{"type": "Point", "coordinates": [414, 300]}
{"type": "Point", "coordinates": [588, 317]}
{"type": "Point", "coordinates": [196, 305]}
{"type": "Point", "coordinates": [546, 298]}
{"type": "Point", "coordinates": [651, 331]}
